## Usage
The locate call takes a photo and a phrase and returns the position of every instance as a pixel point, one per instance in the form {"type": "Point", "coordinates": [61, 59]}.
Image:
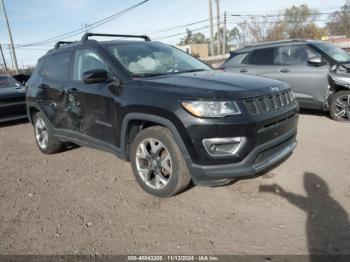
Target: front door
{"type": "Point", "coordinates": [308, 82]}
{"type": "Point", "coordinates": [96, 101]}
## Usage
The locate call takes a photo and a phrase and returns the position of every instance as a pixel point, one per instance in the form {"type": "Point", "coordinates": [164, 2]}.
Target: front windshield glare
{"type": "Point", "coordinates": [146, 59]}
{"type": "Point", "coordinates": [334, 52]}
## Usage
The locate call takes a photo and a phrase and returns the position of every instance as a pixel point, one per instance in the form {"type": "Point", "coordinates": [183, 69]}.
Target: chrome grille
{"type": "Point", "coordinates": [269, 103]}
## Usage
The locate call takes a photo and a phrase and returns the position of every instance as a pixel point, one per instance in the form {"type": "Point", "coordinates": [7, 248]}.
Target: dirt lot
{"type": "Point", "coordinates": [84, 201]}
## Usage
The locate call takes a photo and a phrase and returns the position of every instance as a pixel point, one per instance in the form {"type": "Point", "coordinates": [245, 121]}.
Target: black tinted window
{"type": "Point", "coordinates": [261, 57]}
{"type": "Point", "coordinates": [58, 67]}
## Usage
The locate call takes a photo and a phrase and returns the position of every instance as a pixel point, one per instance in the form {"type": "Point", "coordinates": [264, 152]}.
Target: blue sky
{"type": "Point", "coordinates": [36, 20]}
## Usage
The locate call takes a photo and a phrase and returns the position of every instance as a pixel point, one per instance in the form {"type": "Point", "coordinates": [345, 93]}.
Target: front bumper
{"type": "Point", "coordinates": [261, 158]}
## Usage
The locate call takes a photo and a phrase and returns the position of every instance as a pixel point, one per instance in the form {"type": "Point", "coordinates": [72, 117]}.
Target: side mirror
{"type": "Point", "coordinates": [315, 61]}
{"type": "Point", "coordinates": [95, 76]}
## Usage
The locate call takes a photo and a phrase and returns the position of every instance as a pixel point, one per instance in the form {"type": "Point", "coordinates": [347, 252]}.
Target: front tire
{"type": "Point", "coordinates": [157, 162]}
{"type": "Point", "coordinates": [44, 135]}
{"type": "Point", "coordinates": [340, 106]}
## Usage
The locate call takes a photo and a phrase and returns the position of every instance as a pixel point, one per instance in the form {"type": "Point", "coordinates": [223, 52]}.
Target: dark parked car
{"type": "Point", "coordinates": [314, 71]}
{"type": "Point", "coordinates": [12, 100]}
{"type": "Point", "coordinates": [173, 117]}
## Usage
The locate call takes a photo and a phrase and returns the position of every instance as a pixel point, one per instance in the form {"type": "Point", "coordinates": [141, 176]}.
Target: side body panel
{"type": "Point", "coordinates": [309, 83]}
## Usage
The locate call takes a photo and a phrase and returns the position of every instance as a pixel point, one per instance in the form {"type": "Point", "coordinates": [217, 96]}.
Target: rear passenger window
{"type": "Point", "coordinates": [261, 57]}
{"type": "Point", "coordinates": [58, 67]}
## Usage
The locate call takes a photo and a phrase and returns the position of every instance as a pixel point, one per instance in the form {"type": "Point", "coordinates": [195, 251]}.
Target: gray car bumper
{"type": "Point", "coordinates": [261, 158]}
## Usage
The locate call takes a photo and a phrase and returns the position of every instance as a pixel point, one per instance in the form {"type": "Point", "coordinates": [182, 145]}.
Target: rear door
{"type": "Point", "coordinates": [52, 90]}
{"type": "Point", "coordinates": [256, 62]}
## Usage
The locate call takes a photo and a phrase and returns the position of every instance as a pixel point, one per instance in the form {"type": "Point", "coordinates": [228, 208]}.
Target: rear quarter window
{"type": "Point", "coordinates": [236, 59]}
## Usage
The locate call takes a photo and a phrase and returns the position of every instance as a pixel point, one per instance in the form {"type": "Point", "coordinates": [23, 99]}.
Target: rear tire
{"type": "Point", "coordinates": [157, 162]}
{"type": "Point", "coordinates": [340, 106]}
{"type": "Point", "coordinates": [44, 135]}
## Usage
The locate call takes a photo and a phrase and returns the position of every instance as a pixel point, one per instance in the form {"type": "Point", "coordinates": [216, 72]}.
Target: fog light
{"type": "Point", "coordinates": [228, 146]}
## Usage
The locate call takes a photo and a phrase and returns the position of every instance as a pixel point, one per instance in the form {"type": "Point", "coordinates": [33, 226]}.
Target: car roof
{"type": "Point", "coordinates": [77, 44]}
{"type": "Point", "coordinates": [274, 44]}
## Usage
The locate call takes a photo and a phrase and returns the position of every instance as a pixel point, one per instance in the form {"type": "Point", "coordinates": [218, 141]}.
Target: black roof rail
{"type": "Point", "coordinates": [60, 43]}
{"type": "Point", "coordinates": [275, 42]}
{"type": "Point", "coordinates": [86, 36]}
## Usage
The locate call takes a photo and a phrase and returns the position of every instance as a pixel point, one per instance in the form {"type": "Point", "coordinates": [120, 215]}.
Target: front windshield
{"type": "Point", "coordinates": [147, 59]}
{"type": "Point", "coordinates": [6, 81]}
{"type": "Point", "coordinates": [334, 52]}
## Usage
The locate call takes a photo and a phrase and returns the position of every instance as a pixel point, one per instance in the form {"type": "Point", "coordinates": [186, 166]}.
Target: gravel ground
{"type": "Point", "coordinates": [84, 201]}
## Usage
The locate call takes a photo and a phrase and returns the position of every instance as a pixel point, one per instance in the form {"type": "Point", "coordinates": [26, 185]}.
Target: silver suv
{"type": "Point", "coordinates": [317, 72]}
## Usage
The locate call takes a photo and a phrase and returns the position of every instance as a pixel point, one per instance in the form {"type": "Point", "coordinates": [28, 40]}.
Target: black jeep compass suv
{"type": "Point", "coordinates": [172, 116]}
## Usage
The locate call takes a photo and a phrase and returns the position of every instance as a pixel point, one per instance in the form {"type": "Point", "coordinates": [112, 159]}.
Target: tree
{"type": "Point", "coordinates": [239, 36]}
{"type": "Point", "coordinates": [339, 24]}
{"type": "Point", "coordinates": [299, 22]}
{"type": "Point", "coordinates": [294, 22]}
{"type": "Point", "coordinates": [191, 38]}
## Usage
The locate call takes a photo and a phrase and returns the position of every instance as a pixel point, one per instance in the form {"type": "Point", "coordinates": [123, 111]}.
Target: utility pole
{"type": "Point", "coordinates": [85, 27]}
{"type": "Point", "coordinates": [10, 36]}
{"type": "Point", "coordinates": [224, 36]}
{"type": "Point", "coordinates": [218, 26]}
{"type": "Point", "coordinates": [211, 28]}
{"type": "Point", "coordinates": [9, 47]}
{"type": "Point", "coordinates": [3, 57]}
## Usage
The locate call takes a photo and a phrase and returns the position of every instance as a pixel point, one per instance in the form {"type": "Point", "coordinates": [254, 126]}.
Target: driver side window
{"type": "Point", "coordinates": [85, 60]}
{"type": "Point", "coordinates": [293, 55]}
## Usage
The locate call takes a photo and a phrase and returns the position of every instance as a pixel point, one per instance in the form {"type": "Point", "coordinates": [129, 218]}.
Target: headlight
{"type": "Point", "coordinates": [211, 108]}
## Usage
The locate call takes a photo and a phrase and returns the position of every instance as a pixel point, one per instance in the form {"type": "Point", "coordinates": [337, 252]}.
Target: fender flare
{"type": "Point", "coordinates": [156, 119]}
{"type": "Point", "coordinates": [30, 105]}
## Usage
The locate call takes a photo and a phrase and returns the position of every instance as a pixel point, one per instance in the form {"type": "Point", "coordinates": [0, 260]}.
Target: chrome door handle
{"type": "Point", "coordinates": [43, 86]}
{"type": "Point", "coordinates": [284, 70]}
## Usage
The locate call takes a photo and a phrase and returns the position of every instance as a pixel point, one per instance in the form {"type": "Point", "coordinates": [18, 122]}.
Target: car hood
{"type": "Point", "coordinates": [218, 84]}
{"type": "Point", "coordinates": [11, 92]}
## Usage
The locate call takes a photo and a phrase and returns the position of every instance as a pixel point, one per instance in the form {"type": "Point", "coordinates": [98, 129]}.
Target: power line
{"type": "Point", "coordinates": [160, 30]}
{"type": "Point", "coordinates": [166, 29]}
{"type": "Point", "coordinates": [169, 36]}
{"type": "Point", "coordinates": [229, 18]}
{"type": "Point", "coordinates": [89, 26]}
{"type": "Point", "coordinates": [283, 15]}
{"type": "Point", "coordinates": [235, 22]}
{"type": "Point", "coordinates": [175, 27]}
{"type": "Point", "coordinates": [294, 22]}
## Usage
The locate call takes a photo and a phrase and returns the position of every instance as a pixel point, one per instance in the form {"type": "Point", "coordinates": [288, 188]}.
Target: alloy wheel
{"type": "Point", "coordinates": [342, 107]}
{"type": "Point", "coordinates": [153, 163]}
{"type": "Point", "coordinates": [41, 133]}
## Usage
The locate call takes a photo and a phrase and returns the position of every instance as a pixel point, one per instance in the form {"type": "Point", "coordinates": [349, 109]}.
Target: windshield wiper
{"type": "Point", "coordinates": [148, 74]}
{"type": "Point", "coordinates": [191, 70]}
{"type": "Point", "coordinates": [169, 73]}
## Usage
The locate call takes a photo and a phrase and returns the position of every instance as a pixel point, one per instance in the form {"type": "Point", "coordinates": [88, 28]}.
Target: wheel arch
{"type": "Point", "coordinates": [32, 109]}
{"type": "Point", "coordinates": [143, 120]}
